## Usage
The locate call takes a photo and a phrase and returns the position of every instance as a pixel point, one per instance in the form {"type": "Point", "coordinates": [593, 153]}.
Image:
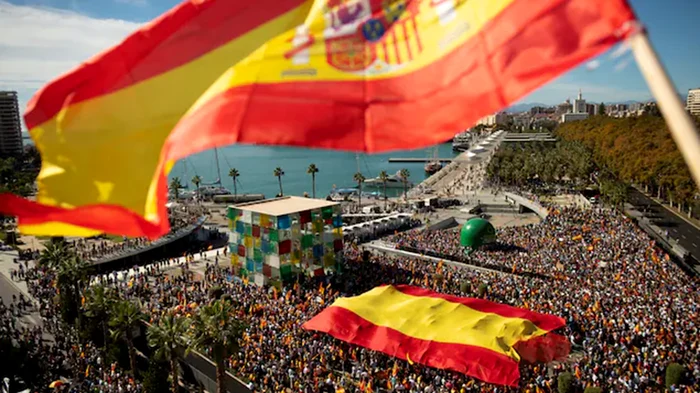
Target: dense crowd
{"type": "Point", "coordinates": [54, 348]}
{"type": "Point", "coordinates": [629, 310]}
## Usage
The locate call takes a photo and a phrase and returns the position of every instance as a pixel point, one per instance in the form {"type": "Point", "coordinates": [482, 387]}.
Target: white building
{"type": "Point", "coordinates": [495, 119]}
{"type": "Point", "coordinates": [567, 117]}
{"type": "Point", "coordinates": [693, 103]}
{"type": "Point", "coordinates": [579, 104]}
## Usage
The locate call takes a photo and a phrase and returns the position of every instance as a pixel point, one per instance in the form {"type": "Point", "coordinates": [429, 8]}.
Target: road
{"type": "Point", "coordinates": [686, 234]}
{"type": "Point", "coordinates": [7, 289]}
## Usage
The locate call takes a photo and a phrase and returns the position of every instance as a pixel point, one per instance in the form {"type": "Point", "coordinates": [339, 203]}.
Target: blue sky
{"type": "Point", "coordinates": [40, 39]}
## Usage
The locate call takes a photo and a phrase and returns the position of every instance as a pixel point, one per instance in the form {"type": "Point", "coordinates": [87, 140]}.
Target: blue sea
{"type": "Point", "coordinates": [336, 168]}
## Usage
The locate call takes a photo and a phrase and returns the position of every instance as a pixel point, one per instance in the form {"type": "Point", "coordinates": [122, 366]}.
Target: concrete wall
{"type": "Point", "coordinates": [444, 224]}
{"type": "Point", "coordinates": [532, 205]}
{"type": "Point", "coordinates": [204, 371]}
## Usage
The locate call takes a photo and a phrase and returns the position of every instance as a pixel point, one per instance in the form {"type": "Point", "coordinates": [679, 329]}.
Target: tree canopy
{"type": "Point", "coordinates": [637, 150]}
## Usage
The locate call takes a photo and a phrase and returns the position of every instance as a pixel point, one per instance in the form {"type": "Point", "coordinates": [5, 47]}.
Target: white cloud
{"type": "Point", "coordinates": [620, 50]}
{"type": "Point", "coordinates": [622, 64]}
{"type": "Point", "coordinates": [39, 44]}
{"type": "Point", "coordinates": [592, 65]}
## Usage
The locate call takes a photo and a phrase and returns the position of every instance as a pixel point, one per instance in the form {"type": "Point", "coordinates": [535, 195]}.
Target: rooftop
{"type": "Point", "coordinates": [284, 205]}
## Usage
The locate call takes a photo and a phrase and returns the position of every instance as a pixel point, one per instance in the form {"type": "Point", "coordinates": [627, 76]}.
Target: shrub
{"type": "Point", "coordinates": [592, 389]}
{"type": "Point", "coordinates": [565, 383]}
{"type": "Point", "coordinates": [482, 289]}
{"type": "Point", "coordinates": [215, 292]}
{"type": "Point", "coordinates": [674, 374]}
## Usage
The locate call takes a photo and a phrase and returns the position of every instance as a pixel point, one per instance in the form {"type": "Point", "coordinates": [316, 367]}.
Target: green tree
{"type": "Point", "coordinates": [233, 174]}
{"type": "Point", "coordinates": [592, 389]}
{"type": "Point", "coordinates": [359, 179]}
{"type": "Point", "coordinates": [166, 337]}
{"type": "Point", "coordinates": [384, 177]}
{"type": "Point", "coordinates": [175, 186]}
{"type": "Point", "coordinates": [674, 375]}
{"type": "Point", "coordinates": [196, 180]}
{"type": "Point", "coordinates": [312, 170]}
{"type": "Point", "coordinates": [15, 178]}
{"type": "Point", "coordinates": [54, 254]}
{"type": "Point", "coordinates": [216, 331]}
{"type": "Point", "coordinates": [278, 172]}
{"type": "Point", "coordinates": [98, 304]}
{"type": "Point", "coordinates": [601, 109]}
{"type": "Point", "coordinates": [71, 278]}
{"type": "Point", "coordinates": [614, 192]}
{"type": "Point", "coordinates": [565, 383]}
{"type": "Point", "coordinates": [404, 174]}
{"type": "Point", "coordinates": [125, 316]}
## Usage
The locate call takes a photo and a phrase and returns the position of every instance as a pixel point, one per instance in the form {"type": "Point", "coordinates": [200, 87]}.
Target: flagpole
{"type": "Point", "coordinates": [679, 121]}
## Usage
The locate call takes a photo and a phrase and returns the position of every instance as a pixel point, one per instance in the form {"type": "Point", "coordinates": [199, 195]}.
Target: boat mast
{"type": "Point", "coordinates": [218, 170]}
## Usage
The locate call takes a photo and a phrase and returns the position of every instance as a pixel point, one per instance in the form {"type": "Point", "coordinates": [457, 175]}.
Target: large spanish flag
{"type": "Point", "coordinates": [472, 336]}
{"type": "Point", "coordinates": [364, 75]}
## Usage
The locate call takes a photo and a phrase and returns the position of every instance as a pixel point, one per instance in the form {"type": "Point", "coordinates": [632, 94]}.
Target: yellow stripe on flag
{"type": "Point", "coordinates": [436, 319]}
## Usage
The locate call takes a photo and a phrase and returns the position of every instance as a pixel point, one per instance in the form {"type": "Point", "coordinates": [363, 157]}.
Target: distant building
{"type": "Point", "coordinates": [538, 110]}
{"type": "Point", "coordinates": [579, 104]}
{"type": "Point", "coordinates": [10, 126]}
{"type": "Point", "coordinates": [568, 117]}
{"type": "Point", "coordinates": [693, 102]}
{"type": "Point", "coordinates": [564, 107]}
{"type": "Point", "coordinates": [501, 118]}
{"type": "Point", "coordinates": [592, 109]}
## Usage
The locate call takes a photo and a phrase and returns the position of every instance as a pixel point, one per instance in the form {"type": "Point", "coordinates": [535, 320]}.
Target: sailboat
{"type": "Point", "coordinates": [209, 190]}
{"type": "Point", "coordinates": [434, 165]}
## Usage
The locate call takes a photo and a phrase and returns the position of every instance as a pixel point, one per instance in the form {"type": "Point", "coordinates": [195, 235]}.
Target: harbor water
{"type": "Point", "coordinates": [336, 168]}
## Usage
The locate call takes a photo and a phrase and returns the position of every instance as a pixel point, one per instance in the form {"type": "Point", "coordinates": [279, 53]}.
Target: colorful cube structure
{"type": "Point", "coordinates": [278, 238]}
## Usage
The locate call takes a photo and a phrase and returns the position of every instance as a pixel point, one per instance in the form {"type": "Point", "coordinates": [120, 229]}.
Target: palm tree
{"type": "Point", "coordinates": [175, 186]}
{"type": "Point", "coordinates": [125, 316]}
{"type": "Point", "coordinates": [196, 180]}
{"type": "Point", "coordinates": [98, 303]}
{"type": "Point", "coordinates": [167, 337]}
{"type": "Point", "coordinates": [54, 254]}
{"type": "Point", "coordinates": [384, 177]}
{"type": "Point", "coordinates": [278, 172]}
{"type": "Point", "coordinates": [404, 174]}
{"type": "Point", "coordinates": [70, 279]}
{"type": "Point", "coordinates": [359, 178]}
{"type": "Point", "coordinates": [217, 332]}
{"type": "Point", "coordinates": [233, 174]}
{"type": "Point", "coordinates": [312, 170]}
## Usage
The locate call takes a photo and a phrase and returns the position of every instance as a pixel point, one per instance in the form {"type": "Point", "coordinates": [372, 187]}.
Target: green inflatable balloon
{"type": "Point", "coordinates": [477, 232]}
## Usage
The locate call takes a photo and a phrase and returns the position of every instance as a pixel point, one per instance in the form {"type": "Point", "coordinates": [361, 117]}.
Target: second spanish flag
{"type": "Point", "coordinates": [472, 336]}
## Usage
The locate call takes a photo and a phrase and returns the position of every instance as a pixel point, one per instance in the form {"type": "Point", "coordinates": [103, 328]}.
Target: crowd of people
{"type": "Point", "coordinates": [52, 348]}
{"type": "Point", "coordinates": [630, 311]}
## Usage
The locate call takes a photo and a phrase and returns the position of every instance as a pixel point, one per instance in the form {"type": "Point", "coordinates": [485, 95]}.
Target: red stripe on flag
{"type": "Point", "coordinates": [505, 61]}
{"type": "Point", "coordinates": [408, 41]}
{"type": "Point", "coordinates": [395, 43]}
{"type": "Point", "coordinates": [111, 218]}
{"type": "Point", "coordinates": [415, 32]}
{"type": "Point", "coordinates": [543, 321]}
{"type": "Point", "coordinates": [474, 361]}
{"type": "Point", "coordinates": [188, 31]}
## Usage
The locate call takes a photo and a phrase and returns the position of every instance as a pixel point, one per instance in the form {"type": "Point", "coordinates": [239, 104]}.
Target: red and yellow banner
{"type": "Point", "coordinates": [364, 75]}
{"type": "Point", "coordinates": [472, 336]}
